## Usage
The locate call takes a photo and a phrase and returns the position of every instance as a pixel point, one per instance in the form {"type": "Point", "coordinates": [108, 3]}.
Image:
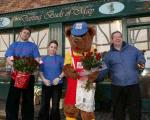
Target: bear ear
{"type": "Point", "coordinates": [68, 31]}
{"type": "Point", "coordinates": [92, 30]}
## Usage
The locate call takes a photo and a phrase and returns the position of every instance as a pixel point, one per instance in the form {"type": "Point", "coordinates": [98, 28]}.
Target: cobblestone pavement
{"type": "Point", "coordinates": [99, 115]}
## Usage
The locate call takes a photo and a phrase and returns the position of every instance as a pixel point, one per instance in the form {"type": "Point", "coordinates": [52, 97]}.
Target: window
{"type": "Point", "coordinates": [103, 34]}
{"type": "Point", "coordinates": [138, 21]}
{"type": "Point", "coordinates": [140, 37]}
{"type": "Point", "coordinates": [6, 38]}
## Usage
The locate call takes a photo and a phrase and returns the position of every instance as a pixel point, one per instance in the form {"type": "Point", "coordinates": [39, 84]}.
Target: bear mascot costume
{"type": "Point", "coordinates": [78, 101]}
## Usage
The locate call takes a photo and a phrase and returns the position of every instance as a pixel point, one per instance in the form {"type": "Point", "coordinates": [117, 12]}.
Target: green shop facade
{"type": "Point", "coordinates": [132, 18]}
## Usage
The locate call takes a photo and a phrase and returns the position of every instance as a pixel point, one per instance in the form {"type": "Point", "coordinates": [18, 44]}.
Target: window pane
{"type": "Point", "coordinates": [103, 34]}
{"type": "Point", "coordinates": [5, 40]}
{"type": "Point", "coordinates": [141, 46]}
{"type": "Point", "coordinates": [139, 37]}
{"type": "Point", "coordinates": [138, 20]}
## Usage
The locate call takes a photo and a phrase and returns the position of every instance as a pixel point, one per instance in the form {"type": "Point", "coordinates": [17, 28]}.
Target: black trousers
{"type": "Point", "coordinates": [126, 98]}
{"type": "Point", "coordinates": [54, 93]}
{"type": "Point", "coordinates": [27, 104]}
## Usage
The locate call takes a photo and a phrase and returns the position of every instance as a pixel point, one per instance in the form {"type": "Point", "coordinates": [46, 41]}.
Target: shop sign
{"type": "Point", "coordinates": [4, 21]}
{"type": "Point", "coordinates": [111, 8]}
{"type": "Point", "coordinates": [56, 14]}
{"type": "Point", "coordinates": [77, 11]}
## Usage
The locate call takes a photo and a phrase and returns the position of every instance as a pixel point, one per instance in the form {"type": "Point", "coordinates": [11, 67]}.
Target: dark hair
{"type": "Point", "coordinates": [27, 28]}
{"type": "Point", "coordinates": [53, 41]}
{"type": "Point", "coordinates": [112, 35]}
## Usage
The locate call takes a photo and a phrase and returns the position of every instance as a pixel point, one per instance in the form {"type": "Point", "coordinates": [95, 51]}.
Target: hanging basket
{"type": "Point", "coordinates": [21, 79]}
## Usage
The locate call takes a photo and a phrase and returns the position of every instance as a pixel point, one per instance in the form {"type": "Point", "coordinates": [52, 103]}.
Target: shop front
{"type": "Point", "coordinates": [132, 18]}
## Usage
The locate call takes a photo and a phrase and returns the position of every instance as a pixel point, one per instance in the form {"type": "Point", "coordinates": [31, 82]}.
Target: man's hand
{"type": "Point", "coordinates": [92, 77]}
{"type": "Point", "coordinates": [10, 60]}
{"type": "Point", "coordinates": [56, 81]}
{"type": "Point", "coordinates": [46, 82]}
{"type": "Point", "coordinates": [140, 66]}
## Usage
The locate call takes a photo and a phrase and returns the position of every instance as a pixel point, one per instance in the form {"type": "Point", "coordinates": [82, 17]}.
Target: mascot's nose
{"type": "Point", "coordinates": [75, 40]}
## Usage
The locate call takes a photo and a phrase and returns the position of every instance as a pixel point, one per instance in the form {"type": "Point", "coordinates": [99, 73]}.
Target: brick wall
{"type": "Point", "coordinates": [17, 5]}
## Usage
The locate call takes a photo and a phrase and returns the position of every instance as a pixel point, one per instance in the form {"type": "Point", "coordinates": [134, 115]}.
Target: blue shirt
{"type": "Point", "coordinates": [52, 67]}
{"type": "Point", "coordinates": [20, 49]}
{"type": "Point", "coordinates": [122, 65]}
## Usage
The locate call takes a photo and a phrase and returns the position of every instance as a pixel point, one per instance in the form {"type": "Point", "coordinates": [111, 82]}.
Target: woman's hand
{"type": "Point", "coordinates": [56, 81]}
{"type": "Point", "coordinates": [46, 82]}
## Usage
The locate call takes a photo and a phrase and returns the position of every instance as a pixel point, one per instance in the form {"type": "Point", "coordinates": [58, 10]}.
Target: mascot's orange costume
{"type": "Point", "coordinates": [80, 36]}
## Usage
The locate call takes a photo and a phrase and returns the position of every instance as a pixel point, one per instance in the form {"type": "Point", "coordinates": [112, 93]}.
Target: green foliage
{"type": "Point", "coordinates": [25, 64]}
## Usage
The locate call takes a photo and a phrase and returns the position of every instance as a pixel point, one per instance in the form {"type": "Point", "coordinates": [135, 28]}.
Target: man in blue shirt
{"type": "Point", "coordinates": [22, 48]}
{"type": "Point", "coordinates": [123, 62]}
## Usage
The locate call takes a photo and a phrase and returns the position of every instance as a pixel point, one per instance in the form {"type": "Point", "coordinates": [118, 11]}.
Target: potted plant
{"type": "Point", "coordinates": [23, 69]}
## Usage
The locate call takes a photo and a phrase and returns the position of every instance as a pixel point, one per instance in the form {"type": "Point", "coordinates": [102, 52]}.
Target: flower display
{"type": "Point", "coordinates": [23, 68]}
{"type": "Point", "coordinates": [25, 64]}
{"type": "Point", "coordinates": [91, 62]}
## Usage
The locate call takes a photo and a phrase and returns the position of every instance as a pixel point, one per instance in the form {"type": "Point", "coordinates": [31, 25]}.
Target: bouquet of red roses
{"type": "Point", "coordinates": [23, 68]}
{"type": "Point", "coordinates": [91, 62]}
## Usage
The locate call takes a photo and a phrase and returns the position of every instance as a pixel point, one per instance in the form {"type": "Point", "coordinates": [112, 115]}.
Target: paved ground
{"type": "Point", "coordinates": [2, 111]}
{"type": "Point", "coordinates": [99, 115]}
